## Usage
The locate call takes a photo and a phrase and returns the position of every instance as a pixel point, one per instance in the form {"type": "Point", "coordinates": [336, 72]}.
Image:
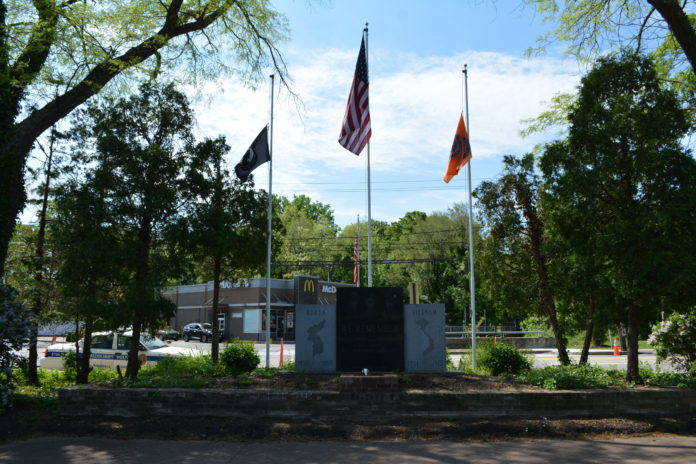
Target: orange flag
{"type": "Point", "coordinates": [461, 151]}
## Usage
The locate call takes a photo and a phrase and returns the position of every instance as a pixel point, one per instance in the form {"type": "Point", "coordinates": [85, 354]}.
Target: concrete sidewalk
{"type": "Point", "coordinates": [650, 449]}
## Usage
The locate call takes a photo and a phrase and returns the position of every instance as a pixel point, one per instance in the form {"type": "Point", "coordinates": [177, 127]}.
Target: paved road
{"type": "Point", "coordinates": [541, 358]}
{"type": "Point", "coordinates": [602, 358]}
{"type": "Point", "coordinates": [656, 449]}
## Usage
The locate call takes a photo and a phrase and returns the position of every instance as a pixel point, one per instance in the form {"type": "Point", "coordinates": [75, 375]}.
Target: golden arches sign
{"type": "Point", "coordinates": [309, 286]}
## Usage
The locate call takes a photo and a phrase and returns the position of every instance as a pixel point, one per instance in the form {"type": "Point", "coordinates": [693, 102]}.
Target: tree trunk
{"type": "Point", "coordinates": [559, 335]}
{"type": "Point", "coordinates": [622, 337]}
{"type": "Point", "coordinates": [37, 303]}
{"type": "Point", "coordinates": [12, 196]}
{"type": "Point", "coordinates": [632, 371]}
{"type": "Point", "coordinates": [681, 27]}
{"type": "Point", "coordinates": [215, 348]}
{"type": "Point", "coordinates": [586, 344]}
{"type": "Point", "coordinates": [83, 368]}
{"type": "Point", "coordinates": [133, 365]}
{"type": "Point", "coordinates": [142, 272]}
{"type": "Point", "coordinates": [535, 230]}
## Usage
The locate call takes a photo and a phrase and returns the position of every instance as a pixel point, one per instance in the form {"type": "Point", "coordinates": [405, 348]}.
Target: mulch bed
{"type": "Point", "coordinates": [407, 382]}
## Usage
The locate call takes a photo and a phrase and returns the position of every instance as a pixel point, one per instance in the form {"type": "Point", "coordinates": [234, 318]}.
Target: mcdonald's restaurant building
{"type": "Point", "coordinates": [242, 305]}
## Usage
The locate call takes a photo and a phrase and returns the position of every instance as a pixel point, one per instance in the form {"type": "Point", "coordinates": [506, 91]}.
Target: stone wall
{"type": "Point", "coordinates": [372, 405]}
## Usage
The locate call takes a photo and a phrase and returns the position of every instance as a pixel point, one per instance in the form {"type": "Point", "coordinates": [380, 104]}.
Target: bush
{"type": "Point", "coordinates": [239, 358]}
{"type": "Point", "coordinates": [450, 364]}
{"type": "Point", "coordinates": [15, 322]}
{"type": "Point", "coordinates": [70, 366]}
{"type": "Point", "coordinates": [675, 341]}
{"type": "Point", "coordinates": [502, 358]}
{"type": "Point", "coordinates": [51, 380]}
{"type": "Point", "coordinates": [536, 323]}
{"type": "Point", "coordinates": [666, 379]}
{"type": "Point", "coordinates": [572, 377]}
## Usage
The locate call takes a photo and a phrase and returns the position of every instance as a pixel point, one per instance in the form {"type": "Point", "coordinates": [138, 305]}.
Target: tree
{"type": "Point", "coordinates": [581, 286]}
{"type": "Point", "coordinates": [226, 223]}
{"type": "Point", "coordinates": [309, 245]}
{"type": "Point", "coordinates": [624, 189]}
{"type": "Point", "coordinates": [139, 147]}
{"type": "Point", "coordinates": [83, 46]}
{"type": "Point", "coordinates": [40, 260]}
{"type": "Point", "coordinates": [92, 270]}
{"type": "Point", "coordinates": [593, 26]}
{"type": "Point", "coordinates": [432, 251]}
{"type": "Point", "coordinates": [662, 28]}
{"type": "Point", "coordinates": [518, 237]}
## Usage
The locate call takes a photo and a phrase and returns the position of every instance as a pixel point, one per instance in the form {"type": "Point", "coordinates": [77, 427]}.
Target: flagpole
{"type": "Point", "coordinates": [358, 238]}
{"type": "Point", "coordinates": [269, 232]}
{"type": "Point", "coordinates": [369, 187]}
{"type": "Point", "coordinates": [472, 286]}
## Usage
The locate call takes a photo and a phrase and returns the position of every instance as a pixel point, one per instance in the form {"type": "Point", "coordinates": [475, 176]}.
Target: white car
{"type": "Point", "coordinates": [110, 349]}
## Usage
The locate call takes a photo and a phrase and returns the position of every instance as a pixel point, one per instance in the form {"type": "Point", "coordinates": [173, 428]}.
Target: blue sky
{"type": "Point", "coordinates": [416, 53]}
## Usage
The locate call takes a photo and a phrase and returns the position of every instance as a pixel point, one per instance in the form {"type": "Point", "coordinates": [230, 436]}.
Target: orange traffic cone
{"type": "Point", "coordinates": [280, 362]}
{"type": "Point", "coordinates": [616, 347]}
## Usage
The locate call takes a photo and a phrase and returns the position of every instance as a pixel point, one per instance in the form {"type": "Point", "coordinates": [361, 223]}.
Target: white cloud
{"type": "Point", "coordinates": [414, 104]}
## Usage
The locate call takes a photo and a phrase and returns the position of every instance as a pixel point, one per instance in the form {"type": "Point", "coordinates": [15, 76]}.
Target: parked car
{"type": "Point", "coordinates": [110, 349]}
{"type": "Point", "coordinates": [168, 334]}
{"type": "Point", "coordinates": [202, 331]}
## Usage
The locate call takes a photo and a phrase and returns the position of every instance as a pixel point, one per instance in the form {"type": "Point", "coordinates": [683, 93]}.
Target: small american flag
{"type": "Point", "coordinates": [356, 130]}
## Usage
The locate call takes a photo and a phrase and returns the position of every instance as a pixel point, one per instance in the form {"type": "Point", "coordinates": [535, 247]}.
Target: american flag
{"type": "Point", "coordinates": [356, 130]}
{"type": "Point", "coordinates": [355, 259]}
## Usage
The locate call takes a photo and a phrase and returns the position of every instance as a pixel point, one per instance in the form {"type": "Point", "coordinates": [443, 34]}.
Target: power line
{"type": "Point", "coordinates": [352, 263]}
{"type": "Point", "coordinates": [406, 234]}
{"type": "Point", "coordinates": [375, 182]}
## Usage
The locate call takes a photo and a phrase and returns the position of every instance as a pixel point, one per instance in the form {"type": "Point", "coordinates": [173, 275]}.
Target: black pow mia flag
{"type": "Point", "coordinates": [255, 156]}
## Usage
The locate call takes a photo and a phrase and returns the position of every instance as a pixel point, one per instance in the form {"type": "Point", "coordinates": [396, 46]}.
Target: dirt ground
{"type": "Point", "coordinates": [407, 382]}
{"type": "Point", "coordinates": [29, 420]}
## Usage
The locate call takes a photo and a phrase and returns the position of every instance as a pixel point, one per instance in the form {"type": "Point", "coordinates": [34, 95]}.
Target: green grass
{"type": "Point", "coordinates": [575, 341]}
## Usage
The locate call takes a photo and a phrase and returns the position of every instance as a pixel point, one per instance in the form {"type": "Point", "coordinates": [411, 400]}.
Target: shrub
{"type": "Point", "coordinates": [239, 358]}
{"type": "Point", "coordinates": [536, 323]}
{"type": "Point", "coordinates": [502, 358]}
{"type": "Point", "coordinates": [675, 341]}
{"type": "Point", "coordinates": [288, 366]}
{"type": "Point", "coordinates": [70, 366]}
{"type": "Point", "coordinates": [450, 364]}
{"type": "Point", "coordinates": [572, 377]}
{"type": "Point", "coordinates": [15, 322]}
{"type": "Point", "coordinates": [51, 380]}
{"type": "Point", "coordinates": [182, 372]}
{"type": "Point", "coordinates": [666, 379]}
{"type": "Point", "coordinates": [186, 366]}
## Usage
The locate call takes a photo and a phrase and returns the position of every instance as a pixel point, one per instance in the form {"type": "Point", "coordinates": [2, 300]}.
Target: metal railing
{"type": "Point", "coordinates": [462, 332]}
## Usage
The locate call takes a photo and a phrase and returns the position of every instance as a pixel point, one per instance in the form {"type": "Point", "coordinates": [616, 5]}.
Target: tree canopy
{"type": "Point", "coordinates": [620, 188]}
{"type": "Point", "coordinates": [56, 54]}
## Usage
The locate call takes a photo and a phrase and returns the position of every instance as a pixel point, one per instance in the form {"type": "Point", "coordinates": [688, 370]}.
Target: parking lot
{"type": "Point", "coordinates": [194, 345]}
{"type": "Point", "coordinates": [541, 358]}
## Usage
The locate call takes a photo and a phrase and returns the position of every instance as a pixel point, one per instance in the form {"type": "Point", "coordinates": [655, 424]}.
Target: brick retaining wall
{"type": "Point", "coordinates": [136, 402]}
